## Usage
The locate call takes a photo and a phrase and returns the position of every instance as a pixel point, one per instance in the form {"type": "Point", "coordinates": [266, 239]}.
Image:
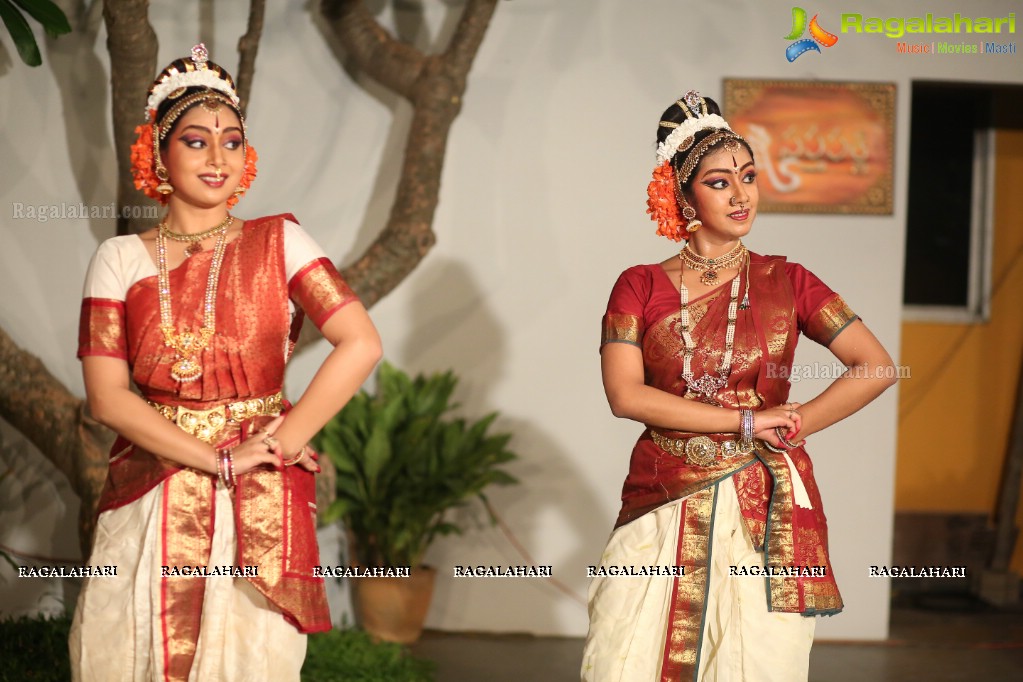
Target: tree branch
{"type": "Point", "coordinates": [472, 26]}
{"type": "Point", "coordinates": [248, 46]}
{"type": "Point", "coordinates": [132, 45]}
{"type": "Point", "coordinates": [395, 64]}
{"type": "Point", "coordinates": [436, 96]}
{"type": "Point", "coordinates": [408, 235]}
{"type": "Point", "coordinates": [38, 405]}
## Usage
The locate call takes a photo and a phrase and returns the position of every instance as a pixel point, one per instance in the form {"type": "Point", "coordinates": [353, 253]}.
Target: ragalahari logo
{"type": "Point", "coordinates": [817, 35]}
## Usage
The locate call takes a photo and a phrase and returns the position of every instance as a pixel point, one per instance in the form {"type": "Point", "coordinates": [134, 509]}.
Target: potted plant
{"type": "Point", "coordinates": [403, 463]}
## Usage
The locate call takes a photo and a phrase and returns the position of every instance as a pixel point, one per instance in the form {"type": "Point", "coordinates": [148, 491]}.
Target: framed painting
{"type": "Point", "coordinates": [820, 146]}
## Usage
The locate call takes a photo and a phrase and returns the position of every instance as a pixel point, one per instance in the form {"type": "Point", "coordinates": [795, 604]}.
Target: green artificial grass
{"type": "Point", "coordinates": [34, 649]}
{"type": "Point", "coordinates": [351, 656]}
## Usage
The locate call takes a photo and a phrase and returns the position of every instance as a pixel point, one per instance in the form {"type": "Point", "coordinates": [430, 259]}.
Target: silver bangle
{"type": "Point", "coordinates": [746, 432]}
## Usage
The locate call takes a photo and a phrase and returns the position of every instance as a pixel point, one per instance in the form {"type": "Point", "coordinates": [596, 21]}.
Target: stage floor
{"type": "Point", "coordinates": [933, 645]}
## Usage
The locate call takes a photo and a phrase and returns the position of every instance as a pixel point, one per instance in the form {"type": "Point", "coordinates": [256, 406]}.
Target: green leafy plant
{"type": "Point", "coordinates": [403, 463]}
{"type": "Point", "coordinates": [33, 648]}
{"type": "Point", "coordinates": [51, 17]}
{"type": "Point", "coordinates": [351, 655]}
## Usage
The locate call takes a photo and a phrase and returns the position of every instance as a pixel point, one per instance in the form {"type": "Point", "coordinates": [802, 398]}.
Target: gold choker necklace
{"type": "Point", "coordinates": [194, 245]}
{"type": "Point", "coordinates": [189, 344]}
{"type": "Point", "coordinates": [711, 266]}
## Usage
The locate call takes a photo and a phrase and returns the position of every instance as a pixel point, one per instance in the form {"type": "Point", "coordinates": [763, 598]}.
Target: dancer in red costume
{"type": "Point", "coordinates": [698, 349]}
{"type": "Point", "coordinates": [210, 472]}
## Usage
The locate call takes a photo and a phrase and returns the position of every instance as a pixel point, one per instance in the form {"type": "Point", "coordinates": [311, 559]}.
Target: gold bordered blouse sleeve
{"type": "Point", "coordinates": [822, 314]}
{"type": "Point", "coordinates": [623, 321]}
{"type": "Point", "coordinates": [829, 320]}
{"type": "Point", "coordinates": [314, 284]}
{"type": "Point", "coordinates": [620, 328]}
{"type": "Point", "coordinates": [101, 324]}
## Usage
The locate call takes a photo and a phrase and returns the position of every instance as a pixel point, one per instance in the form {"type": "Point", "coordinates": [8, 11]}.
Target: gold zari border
{"type": "Point", "coordinates": [689, 592]}
{"type": "Point", "coordinates": [187, 529]}
{"type": "Point", "coordinates": [619, 327]}
{"type": "Point", "coordinates": [101, 328]}
{"type": "Point", "coordinates": [834, 316]}
{"type": "Point", "coordinates": [779, 540]}
{"type": "Point", "coordinates": [320, 291]}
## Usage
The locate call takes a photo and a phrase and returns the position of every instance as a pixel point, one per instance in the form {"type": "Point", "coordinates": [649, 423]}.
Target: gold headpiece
{"type": "Point", "coordinates": [196, 71]}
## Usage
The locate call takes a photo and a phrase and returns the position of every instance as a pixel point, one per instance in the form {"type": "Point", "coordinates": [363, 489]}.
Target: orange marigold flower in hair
{"type": "Point", "coordinates": [142, 162]}
{"type": "Point", "coordinates": [662, 204]}
{"type": "Point", "coordinates": [248, 175]}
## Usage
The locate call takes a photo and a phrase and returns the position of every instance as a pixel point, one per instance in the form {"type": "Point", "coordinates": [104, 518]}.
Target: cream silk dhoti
{"type": "Point", "coordinates": [117, 634]}
{"type": "Point", "coordinates": [741, 640]}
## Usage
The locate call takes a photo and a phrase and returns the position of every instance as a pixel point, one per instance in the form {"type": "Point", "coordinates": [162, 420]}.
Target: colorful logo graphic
{"type": "Point", "coordinates": [818, 35]}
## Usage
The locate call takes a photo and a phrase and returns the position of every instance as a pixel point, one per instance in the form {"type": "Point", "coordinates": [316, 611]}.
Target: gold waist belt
{"type": "Point", "coordinates": [206, 424]}
{"type": "Point", "coordinates": [702, 450]}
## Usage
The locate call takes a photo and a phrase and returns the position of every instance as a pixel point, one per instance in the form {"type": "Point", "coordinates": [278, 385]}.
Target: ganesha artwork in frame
{"type": "Point", "coordinates": [820, 146]}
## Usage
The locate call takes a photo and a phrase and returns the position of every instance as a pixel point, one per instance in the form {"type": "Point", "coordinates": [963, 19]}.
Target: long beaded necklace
{"type": "Point", "coordinates": [194, 240]}
{"type": "Point", "coordinates": [708, 385]}
{"type": "Point", "coordinates": [711, 266]}
{"type": "Point", "coordinates": [188, 344]}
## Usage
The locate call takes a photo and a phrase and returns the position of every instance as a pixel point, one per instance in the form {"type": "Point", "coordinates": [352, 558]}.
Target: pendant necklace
{"type": "Point", "coordinates": [188, 344]}
{"type": "Point", "coordinates": [708, 385]}
{"type": "Point", "coordinates": [711, 266]}
{"type": "Point", "coordinates": [194, 240]}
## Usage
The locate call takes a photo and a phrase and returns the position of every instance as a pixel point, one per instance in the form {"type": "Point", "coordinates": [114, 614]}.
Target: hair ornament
{"type": "Point", "coordinates": [692, 159]}
{"type": "Point", "coordinates": [680, 138]}
{"type": "Point", "coordinates": [197, 72]}
{"type": "Point", "coordinates": [693, 104]}
{"type": "Point", "coordinates": [200, 56]}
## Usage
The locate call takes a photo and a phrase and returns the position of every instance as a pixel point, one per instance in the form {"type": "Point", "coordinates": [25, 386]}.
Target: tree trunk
{"type": "Point", "coordinates": [248, 46]}
{"type": "Point", "coordinates": [132, 45]}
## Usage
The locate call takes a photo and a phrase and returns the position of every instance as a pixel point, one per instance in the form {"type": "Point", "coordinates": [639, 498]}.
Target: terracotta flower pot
{"type": "Point", "coordinates": [394, 609]}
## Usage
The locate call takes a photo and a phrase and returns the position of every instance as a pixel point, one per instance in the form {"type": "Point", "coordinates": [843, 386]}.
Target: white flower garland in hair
{"type": "Point", "coordinates": [686, 129]}
{"type": "Point", "coordinates": [202, 77]}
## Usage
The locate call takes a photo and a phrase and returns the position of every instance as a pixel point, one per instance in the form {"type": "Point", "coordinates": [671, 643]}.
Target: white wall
{"type": "Point", "coordinates": [542, 206]}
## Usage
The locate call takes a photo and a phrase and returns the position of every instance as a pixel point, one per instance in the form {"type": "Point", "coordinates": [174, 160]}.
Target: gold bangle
{"type": "Point", "coordinates": [296, 459]}
{"type": "Point", "coordinates": [219, 458]}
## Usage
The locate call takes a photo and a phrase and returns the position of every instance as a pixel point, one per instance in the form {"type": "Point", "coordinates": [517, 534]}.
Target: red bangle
{"type": "Point", "coordinates": [789, 445]}
{"type": "Point", "coordinates": [294, 460]}
{"type": "Point", "coordinates": [225, 467]}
